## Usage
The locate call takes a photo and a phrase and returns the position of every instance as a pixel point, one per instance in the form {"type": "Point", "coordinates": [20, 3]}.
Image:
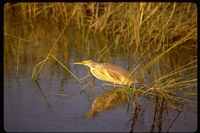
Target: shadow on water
{"type": "Point", "coordinates": [127, 98]}
{"type": "Point", "coordinates": [108, 101]}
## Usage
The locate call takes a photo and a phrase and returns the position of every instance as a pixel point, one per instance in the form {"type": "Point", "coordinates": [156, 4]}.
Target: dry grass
{"type": "Point", "coordinates": [140, 24]}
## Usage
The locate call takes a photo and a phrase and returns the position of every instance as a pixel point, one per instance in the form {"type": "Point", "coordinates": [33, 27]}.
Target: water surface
{"type": "Point", "coordinates": [54, 101]}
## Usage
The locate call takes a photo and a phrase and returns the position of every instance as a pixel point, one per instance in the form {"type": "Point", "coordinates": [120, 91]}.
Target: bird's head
{"type": "Point", "coordinates": [86, 63]}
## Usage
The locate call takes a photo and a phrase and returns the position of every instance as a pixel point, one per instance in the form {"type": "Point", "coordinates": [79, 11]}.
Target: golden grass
{"type": "Point", "coordinates": [139, 23]}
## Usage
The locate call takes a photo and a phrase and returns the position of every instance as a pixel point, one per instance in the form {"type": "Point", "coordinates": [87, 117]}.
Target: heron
{"type": "Point", "coordinates": [111, 73]}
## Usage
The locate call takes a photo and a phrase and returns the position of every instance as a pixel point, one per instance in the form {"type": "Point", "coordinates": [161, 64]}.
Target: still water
{"type": "Point", "coordinates": [54, 102]}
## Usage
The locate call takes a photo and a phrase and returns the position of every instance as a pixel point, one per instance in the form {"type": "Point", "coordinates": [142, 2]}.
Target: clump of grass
{"type": "Point", "coordinates": [173, 87]}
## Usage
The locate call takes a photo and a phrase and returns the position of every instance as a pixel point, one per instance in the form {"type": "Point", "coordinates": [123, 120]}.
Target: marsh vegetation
{"type": "Point", "coordinates": [157, 40]}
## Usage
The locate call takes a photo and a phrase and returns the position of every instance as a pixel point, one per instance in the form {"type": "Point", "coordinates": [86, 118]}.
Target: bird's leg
{"type": "Point", "coordinates": [129, 86]}
{"type": "Point", "coordinates": [134, 86]}
{"type": "Point", "coordinates": [103, 86]}
{"type": "Point", "coordinates": [107, 85]}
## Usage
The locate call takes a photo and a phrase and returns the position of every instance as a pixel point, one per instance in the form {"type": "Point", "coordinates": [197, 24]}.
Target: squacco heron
{"type": "Point", "coordinates": [111, 73]}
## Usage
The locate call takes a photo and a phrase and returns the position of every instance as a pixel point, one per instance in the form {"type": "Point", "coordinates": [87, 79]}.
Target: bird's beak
{"type": "Point", "coordinates": [81, 63]}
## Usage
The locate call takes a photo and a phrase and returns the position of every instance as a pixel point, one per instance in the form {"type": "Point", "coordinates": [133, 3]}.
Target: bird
{"type": "Point", "coordinates": [111, 73]}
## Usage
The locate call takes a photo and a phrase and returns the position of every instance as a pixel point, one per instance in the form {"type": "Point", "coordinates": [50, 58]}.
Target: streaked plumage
{"type": "Point", "coordinates": [111, 73]}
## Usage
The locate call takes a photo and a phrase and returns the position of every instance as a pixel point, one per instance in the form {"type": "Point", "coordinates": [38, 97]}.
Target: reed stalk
{"type": "Point", "coordinates": [17, 58]}
{"type": "Point", "coordinates": [53, 46]}
{"type": "Point", "coordinates": [65, 68]}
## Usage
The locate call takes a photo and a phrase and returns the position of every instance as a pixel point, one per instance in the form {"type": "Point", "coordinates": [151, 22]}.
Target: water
{"type": "Point", "coordinates": [54, 103]}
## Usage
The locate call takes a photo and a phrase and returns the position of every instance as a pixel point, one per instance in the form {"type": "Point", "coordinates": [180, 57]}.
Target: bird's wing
{"type": "Point", "coordinates": [117, 73]}
{"type": "Point", "coordinates": [116, 69]}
